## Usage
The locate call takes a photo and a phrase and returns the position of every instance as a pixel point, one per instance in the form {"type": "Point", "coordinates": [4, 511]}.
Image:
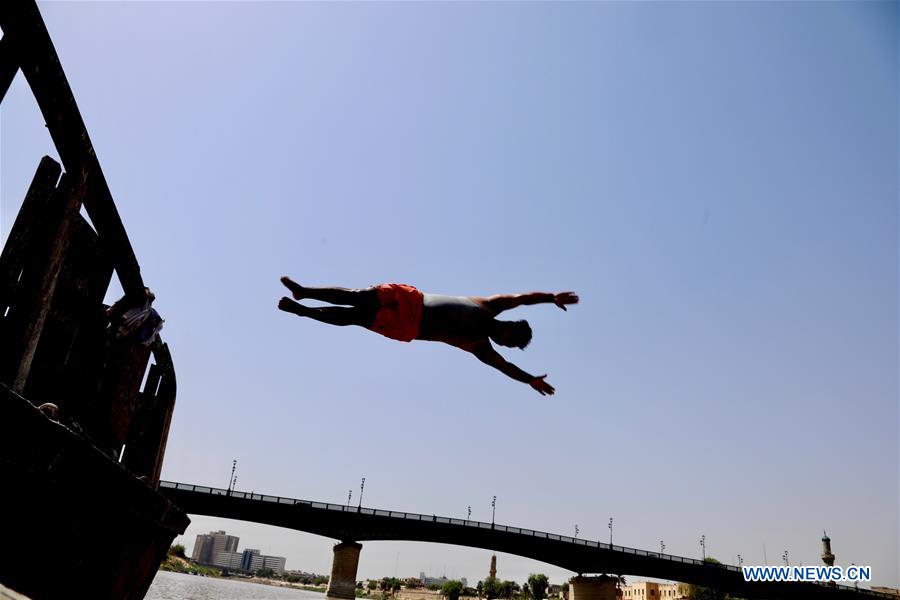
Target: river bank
{"type": "Point", "coordinates": [178, 564]}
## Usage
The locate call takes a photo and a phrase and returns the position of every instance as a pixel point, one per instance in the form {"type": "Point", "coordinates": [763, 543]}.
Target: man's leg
{"type": "Point", "coordinates": [333, 315]}
{"type": "Point", "coordinates": [333, 295]}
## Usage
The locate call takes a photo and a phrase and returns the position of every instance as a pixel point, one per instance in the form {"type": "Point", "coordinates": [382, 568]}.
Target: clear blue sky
{"type": "Point", "coordinates": [718, 182]}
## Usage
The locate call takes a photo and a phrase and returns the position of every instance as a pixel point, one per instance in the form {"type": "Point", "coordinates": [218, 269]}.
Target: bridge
{"type": "Point", "coordinates": [352, 524]}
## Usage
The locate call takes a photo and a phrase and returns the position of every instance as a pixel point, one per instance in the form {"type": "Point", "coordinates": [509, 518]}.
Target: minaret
{"type": "Point", "coordinates": [827, 556]}
{"type": "Point", "coordinates": [493, 573]}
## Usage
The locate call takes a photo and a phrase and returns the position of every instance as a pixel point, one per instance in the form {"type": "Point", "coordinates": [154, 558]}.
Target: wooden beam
{"type": "Point", "coordinates": [9, 64]}
{"type": "Point", "coordinates": [44, 73]}
{"type": "Point", "coordinates": [166, 395]}
{"type": "Point", "coordinates": [26, 228]}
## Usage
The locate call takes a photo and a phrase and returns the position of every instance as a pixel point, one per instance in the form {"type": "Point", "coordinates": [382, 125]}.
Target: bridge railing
{"type": "Point", "coordinates": [189, 487]}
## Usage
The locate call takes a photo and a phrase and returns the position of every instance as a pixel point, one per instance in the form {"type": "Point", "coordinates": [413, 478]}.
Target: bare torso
{"type": "Point", "coordinates": [458, 320]}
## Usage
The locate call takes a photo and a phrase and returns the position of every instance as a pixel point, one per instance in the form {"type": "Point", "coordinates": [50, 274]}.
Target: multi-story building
{"type": "Point", "coordinates": [229, 560]}
{"type": "Point", "coordinates": [276, 563]}
{"type": "Point", "coordinates": [247, 559]}
{"type": "Point", "coordinates": [202, 548]}
{"type": "Point", "coordinates": [208, 546]}
{"type": "Point", "coordinates": [250, 561]}
{"type": "Point", "coordinates": [650, 590]}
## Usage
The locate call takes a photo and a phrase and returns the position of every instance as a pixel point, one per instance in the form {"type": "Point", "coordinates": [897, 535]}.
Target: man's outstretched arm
{"type": "Point", "coordinates": [489, 356]}
{"type": "Point", "coordinates": [501, 302]}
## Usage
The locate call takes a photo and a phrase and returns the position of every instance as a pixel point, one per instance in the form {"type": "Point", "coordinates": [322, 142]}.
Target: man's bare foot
{"type": "Point", "coordinates": [288, 305]}
{"type": "Point", "coordinates": [296, 288]}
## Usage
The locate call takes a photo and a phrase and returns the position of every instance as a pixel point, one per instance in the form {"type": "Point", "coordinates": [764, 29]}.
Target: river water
{"type": "Point", "coordinates": [178, 586]}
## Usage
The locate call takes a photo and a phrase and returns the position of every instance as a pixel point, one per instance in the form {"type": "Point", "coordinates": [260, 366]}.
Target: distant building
{"type": "Point", "coordinates": [202, 548]}
{"type": "Point", "coordinates": [228, 560]}
{"type": "Point", "coordinates": [650, 590]}
{"type": "Point", "coordinates": [249, 561]}
{"type": "Point", "coordinates": [426, 580]}
{"type": "Point", "coordinates": [247, 557]}
{"type": "Point", "coordinates": [208, 546]}
{"type": "Point", "coordinates": [276, 563]}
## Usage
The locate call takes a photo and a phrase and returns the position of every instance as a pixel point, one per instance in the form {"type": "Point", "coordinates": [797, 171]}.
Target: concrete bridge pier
{"type": "Point", "coordinates": [592, 588]}
{"type": "Point", "coordinates": [342, 584]}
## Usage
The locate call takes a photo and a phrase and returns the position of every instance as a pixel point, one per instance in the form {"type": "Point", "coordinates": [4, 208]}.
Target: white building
{"type": "Point", "coordinates": [250, 561]}
{"type": "Point", "coordinates": [650, 590]}
{"type": "Point", "coordinates": [228, 560]}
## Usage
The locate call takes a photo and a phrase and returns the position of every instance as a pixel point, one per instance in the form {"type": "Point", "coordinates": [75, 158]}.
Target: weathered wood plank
{"type": "Point", "coordinates": [166, 407]}
{"type": "Point", "coordinates": [37, 293]}
{"type": "Point", "coordinates": [67, 365]}
{"type": "Point", "coordinates": [26, 227]}
{"type": "Point", "coordinates": [146, 445]}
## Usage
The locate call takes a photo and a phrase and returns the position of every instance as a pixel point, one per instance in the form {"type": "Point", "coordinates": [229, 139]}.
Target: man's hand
{"type": "Point", "coordinates": [542, 386]}
{"type": "Point", "coordinates": [563, 298]}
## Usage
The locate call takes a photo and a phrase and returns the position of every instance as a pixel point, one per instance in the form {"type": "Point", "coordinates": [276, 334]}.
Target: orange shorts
{"type": "Point", "coordinates": [400, 315]}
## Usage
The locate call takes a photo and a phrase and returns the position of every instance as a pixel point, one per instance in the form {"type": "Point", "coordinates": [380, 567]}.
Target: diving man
{"type": "Point", "coordinates": [403, 313]}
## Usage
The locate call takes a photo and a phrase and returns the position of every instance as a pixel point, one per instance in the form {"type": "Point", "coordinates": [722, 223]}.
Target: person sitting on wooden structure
{"type": "Point", "coordinates": [403, 313]}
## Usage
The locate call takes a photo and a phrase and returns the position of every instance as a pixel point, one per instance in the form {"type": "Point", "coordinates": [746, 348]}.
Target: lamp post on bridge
{"type": "Point", "coordinates": [662, 546]}
{"type": "Point", "coordinates": [786, 559]}
{"type": "Point", "coordinates": [469, 514]}
{"type": "Point", "coordinates": [740, 561]}
{"type": "Point", "coordinates": [610, 532]}
{"type": "Point", "coordinates": [231, 477]}
{"type": "Point", "coordinates": [493, 510]}
{"type": "Point", "coordinates": [703, 545]}
{"type": "Point", "coordinates": [576, 531]}
{"type": "Point", "coordinates": [362, 486]}
{"type": "Point", "coordinates": [349, 496]}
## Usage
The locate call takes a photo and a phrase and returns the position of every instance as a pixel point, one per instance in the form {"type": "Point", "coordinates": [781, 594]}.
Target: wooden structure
{"type": "Point", "coordinates": [59, 347]}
